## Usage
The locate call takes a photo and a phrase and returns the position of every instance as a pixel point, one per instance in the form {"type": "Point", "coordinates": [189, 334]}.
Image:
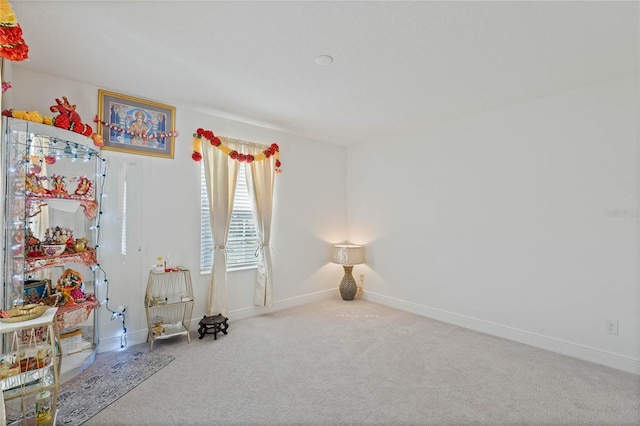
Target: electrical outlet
{"type": "Point", "coordinates": [362, 278]}
{"type": "Point", "coordinates": [611, 327]}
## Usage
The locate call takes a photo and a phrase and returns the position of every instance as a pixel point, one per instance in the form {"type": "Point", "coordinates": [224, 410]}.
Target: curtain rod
{"type": "Point", "coordinates": [241, 142]}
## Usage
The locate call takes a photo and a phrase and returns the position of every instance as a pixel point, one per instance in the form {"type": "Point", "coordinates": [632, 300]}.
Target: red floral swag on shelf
{"type": "Point", "coordinates": [67, 118]}
{"type": "Point", "coordinates": [214, 140]}
{"type": "Point", "coordinates": [85, 258]}
{"type": "Point", "coordinates": [72, 315]}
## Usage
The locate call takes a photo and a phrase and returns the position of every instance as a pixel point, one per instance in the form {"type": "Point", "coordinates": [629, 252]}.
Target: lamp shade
{"type": "Point", "coordinates": [348, 254]}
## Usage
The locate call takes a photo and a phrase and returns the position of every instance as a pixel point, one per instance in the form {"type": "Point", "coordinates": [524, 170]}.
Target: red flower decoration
{"type": "Point", "coordinates": [11, 35]}
{"type": "Point", "coordinates": [272, 150]}
{"type": "Point", "coordinates": [77, 127]}
{"type": "Point", "coordinates": [97, 139]}
{"type": "Point", "coordinates": [50, 160]}
{"type": "Point", "coordinates": [12, 46]}
{"type": "Point", "coordinates": [62, 122]}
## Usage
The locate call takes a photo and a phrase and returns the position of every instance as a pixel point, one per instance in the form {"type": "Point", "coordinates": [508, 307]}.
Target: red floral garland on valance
{"type": "Point", "coordinates": [273, 150]}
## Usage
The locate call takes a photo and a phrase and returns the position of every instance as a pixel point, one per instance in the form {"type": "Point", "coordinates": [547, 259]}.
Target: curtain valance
{"type": "Point", "coordinates": [234, 154]}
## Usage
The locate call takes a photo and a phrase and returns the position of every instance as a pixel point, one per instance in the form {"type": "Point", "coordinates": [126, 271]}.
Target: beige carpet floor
{"type": "Point", "coordinates": [350, 363]}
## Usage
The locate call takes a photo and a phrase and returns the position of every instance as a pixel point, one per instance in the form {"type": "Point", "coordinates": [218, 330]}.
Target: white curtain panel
{"type": "Point", "coordinates": [221, 174]}
{"type": "Point", "coordinates": [260, 181]}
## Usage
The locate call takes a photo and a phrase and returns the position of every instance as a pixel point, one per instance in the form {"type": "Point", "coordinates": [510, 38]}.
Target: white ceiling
{"type": "Point", "coordinates": [397, 65]}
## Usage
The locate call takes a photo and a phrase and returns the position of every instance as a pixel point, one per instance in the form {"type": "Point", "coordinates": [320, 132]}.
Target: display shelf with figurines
{"type": "Point", "coordinates": [53, 182]}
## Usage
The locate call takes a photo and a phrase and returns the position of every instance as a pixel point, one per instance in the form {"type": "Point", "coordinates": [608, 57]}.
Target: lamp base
{"type": "Point", "coordinates": [348, 286]}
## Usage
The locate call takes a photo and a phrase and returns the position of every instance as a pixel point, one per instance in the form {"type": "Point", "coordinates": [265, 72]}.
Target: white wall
{"type": "Point", "coordinates": [164, 210]}
{"type": "Point", "coordinates": [520, 222]}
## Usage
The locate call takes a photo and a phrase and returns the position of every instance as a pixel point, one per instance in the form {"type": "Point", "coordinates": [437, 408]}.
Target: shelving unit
{"type": "Point", "coordinates": [29, 366]}
{"type": "Point", "coordinates": [52, 179]}
{"type": "Point", "coordinates": [168, 304]}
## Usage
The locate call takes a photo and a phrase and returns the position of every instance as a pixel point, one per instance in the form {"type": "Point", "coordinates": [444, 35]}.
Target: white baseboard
{"type": "Point", "coordinates": [598, 356]}
{"type": "Point", "coordinates": [613, 360]}
{"type": "Point", "coordinates": [252, 311]}
{"type": "Point", "coordinates": [114, 343]}
{"type": "Point", "coordinates": [140, 336]}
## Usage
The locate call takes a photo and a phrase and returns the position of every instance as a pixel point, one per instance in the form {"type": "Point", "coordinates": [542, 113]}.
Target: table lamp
{"type": "Point", "coordinates": [348, 255]}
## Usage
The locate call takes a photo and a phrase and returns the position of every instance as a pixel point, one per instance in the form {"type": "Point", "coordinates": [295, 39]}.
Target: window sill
{"type": "Point", "coordinates": [244, 268]}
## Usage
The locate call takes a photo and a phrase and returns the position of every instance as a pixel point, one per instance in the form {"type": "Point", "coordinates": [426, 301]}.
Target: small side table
{"type": "Point", "coordinates": [213, 325]}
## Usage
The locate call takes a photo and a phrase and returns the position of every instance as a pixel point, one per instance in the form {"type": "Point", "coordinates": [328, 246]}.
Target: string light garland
{"type": "Point", "coordinates": [273, 150]}
{"type": "Point", "coordinates": [119, 129]}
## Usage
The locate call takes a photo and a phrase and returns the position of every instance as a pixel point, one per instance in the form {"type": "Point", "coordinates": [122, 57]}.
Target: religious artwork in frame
{"type": "Point", "coordinates": [36, 290]}
{"type": "Point", "coordinates": [136, 126]}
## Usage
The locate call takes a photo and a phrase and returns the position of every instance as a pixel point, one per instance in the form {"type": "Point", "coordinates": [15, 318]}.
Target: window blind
{"type": "Point", "coordinates": [242, 241]}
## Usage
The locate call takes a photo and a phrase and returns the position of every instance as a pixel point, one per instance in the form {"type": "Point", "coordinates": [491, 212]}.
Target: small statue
{"type": "Point", "coordinates": [84, 186]}
{"type": "Point", "coordinates": [69, 281]}
{"type": "Point", "coordinates": [59, 185]}
{"type": "Point", "coordinates": [68, 118]}
{"type": "Point", "coordinates": [34, 186]}
{"type": "Point", "coordinates": [57, 235]}
{"type": "Point", "coordinates": [32, 244]}
{"type": "Point", "coordinates": [65, 109]}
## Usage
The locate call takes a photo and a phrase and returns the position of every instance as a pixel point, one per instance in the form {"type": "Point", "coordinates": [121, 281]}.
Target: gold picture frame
{"type": "Point", "coordinates": [136, 126]}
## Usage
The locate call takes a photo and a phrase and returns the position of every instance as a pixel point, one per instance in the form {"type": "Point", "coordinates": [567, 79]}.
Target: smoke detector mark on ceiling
{"type": "Point", "coordinates": [324, 60]}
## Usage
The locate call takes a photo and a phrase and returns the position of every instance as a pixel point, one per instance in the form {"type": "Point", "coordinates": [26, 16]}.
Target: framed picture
{"type": "Point", "coordinates": [135, 126]}
{"type": "Point", "coordinates": [36, 290]}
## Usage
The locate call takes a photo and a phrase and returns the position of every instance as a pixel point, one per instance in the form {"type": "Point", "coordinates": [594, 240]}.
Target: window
{"type": "Point", "coordinates": [123, 234]}
{"type": "Point", "coordinates": [242, 242]}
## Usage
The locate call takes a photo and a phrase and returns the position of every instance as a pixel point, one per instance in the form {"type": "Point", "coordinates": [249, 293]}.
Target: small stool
{"type": "Point", "coordinates": [213, 325]}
